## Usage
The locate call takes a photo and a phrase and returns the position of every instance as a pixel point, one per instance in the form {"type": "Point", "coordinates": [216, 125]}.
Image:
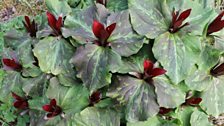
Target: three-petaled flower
{"type": "Point", "coordinates": [11, 64]}
{"type": "Point", "coordinates": [216, 24]}
{"type": "Point", "coordinates": [20, 103]}
{"type": "Point", "coordinates": [95, 98]}
{"type": "Point", "coordinates": [55, 24]}
{"type": "Point", "coordinates": [53, 109]}
{"type": "Point", "coordinates": [101, 33]}
{"type": "Point", "coordinates": [178, 19]}
{"type": "Point", "coordinates": [31, 28]}
{"type": "Point", "coordinates": [150, 71]}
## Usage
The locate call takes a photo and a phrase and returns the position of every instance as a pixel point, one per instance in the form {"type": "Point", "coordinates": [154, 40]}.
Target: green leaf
{"type": "Point", "coordinates": [198, 80]}
{"type": "Point", "coordinates": [35, 86]}
{"type": "Point", "coordinates": [78, 94]}
{"type": "Point", "coordinates": [94, 63]}
{"type": "Point", "coordinates": [92, 116]}
{"type": "Point", "coordinates": [11, 82]}
{"type": "Point", "coordinates": [58, 7]}
{"type": "Point", "coordinates": [212, 97]}
{"type": "Point", "coordinates": [117, 5]}
{"type": "Point", "coordinates": [37, 103]}
{"type": "Point", "coordinates": [168, 95]}
{"type": "Point", "coordinates": [209, 57]}
{"type": "Point", "coordinates": [53, 55]}
{"type": "Point", "coordinates": [139, 96]}
{"type": "Point", "coordinates": [147, 19]}
{"type": "Point", "coordinates": [199, 118]}
{"type": "Point", "coordinates": [154, 121]}
{"type": "Point", "coordinates": [184, 115]}
{"type": "Point", "coordinates": [177, 54]}
{"type": "Point", "coordinates": [123, 39]}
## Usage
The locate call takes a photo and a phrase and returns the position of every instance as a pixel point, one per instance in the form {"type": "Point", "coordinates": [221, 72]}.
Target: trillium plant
{"type": "Point", "coordinates": [113, 63]}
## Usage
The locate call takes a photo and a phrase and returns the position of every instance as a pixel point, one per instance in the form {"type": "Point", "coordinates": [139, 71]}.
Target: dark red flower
{"type": "Point", "coordinates": [150, 71]}
{"type": "Point", "coordinates": [94, 98]}
{"type": "Point", "coordinates": [216, 24]}
{"type": "Point", "coordinates": [217, 70]}
{"type": "Point", "coordinates": [12, 64]}
{"type": "Point", "coordinates": [193, 101]}
{"type": "Point", "coordinates": [177, 20]}
{"type": "Point", "coordinates": [101, 33]}
{"type": "Point", "coordinates": [103, 2]}
{"type": "Point", "coordinates": [20, 103]}
{"type": "Point", "coordinates": [31, 28]}
{"type": "Point", "coordinates": [54, 23]}
{"type": "Point", "coordinates": [53, 109]}
{"type": "Point", "coordinates": [164, 111]}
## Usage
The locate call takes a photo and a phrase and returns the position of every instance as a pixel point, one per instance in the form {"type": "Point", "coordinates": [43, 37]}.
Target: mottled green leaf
{"type": "Point", "coordinates": [53, 55]}
{"type": "Point", "coordinates": [123, 39]}
{"type": "Point", "coordinates": [58, 7]}
{"type": "Point", "coordinates": [154, 121]}
{"type": "Point", "coordinates": [92, 116]}
{"type": "Point", "coordinates": [209, 57]}
{"type": "Point", "coordinates": [117, 5]}
{"type": "Point", "coordinates": [212, 97]}
{"type": "Point", "coordinates": [72, 99]}
{"type": "Point", "coordinates": [35, 86]}
{"type": "Point", "coordinates": [168, 95]}
{"type": "Point", "coordinates": [93, 64]}
{"type": "Point", "coordinates": [139, 96]}
{"type": "Point", "coordinates": [11, 82]}
{"type": "Point", "coordinates": [198, 80]}
{"type": "Point", "coordinates": [177, 54]}
{"type": "Point", "coordinates": [199, 118]}
{"type": "Point", "coordinates": [147, 19]}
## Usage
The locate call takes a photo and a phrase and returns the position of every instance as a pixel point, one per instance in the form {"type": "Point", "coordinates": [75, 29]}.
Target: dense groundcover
{"type": "Point", "coordinates": [114, 63]}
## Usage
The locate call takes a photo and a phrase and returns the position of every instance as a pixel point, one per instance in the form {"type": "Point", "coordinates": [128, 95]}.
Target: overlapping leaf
{"type": "Point", "coordinates": [71, 99]}
{"type": "Point", "coordinates": [53, 55]}
{"type": "Point", "coordinates": [97, 117]}
{"type": "Point", "coordinates": [177, 54]}
{"type": "Point", "coordinates": [94, 63]}
{"type": "Point", "coordinates": [143, 100]}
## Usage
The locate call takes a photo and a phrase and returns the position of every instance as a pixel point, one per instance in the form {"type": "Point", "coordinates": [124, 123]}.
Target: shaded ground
{"type": "Point", "coordinates": [12, 8]}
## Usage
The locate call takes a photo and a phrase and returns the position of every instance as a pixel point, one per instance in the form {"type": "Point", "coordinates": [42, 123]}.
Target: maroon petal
{"type": "Point", "coordinates": [148, 65]}
{"type": "Point", "coordinates": [217, 71]}
{"type": "Point", "coordinates": [97, 27]}
{"type": "Point", "coordinates": [51, 20]}
{"type": "Point", "coordinates": [103, 2]}
{"type": "Point", "coordinates": [11, 63]}
{"type": "Point", "coordinates": [157, 72]}
{"type": "Point", "coordinates": [47, 108]}
{"type": "Point", "coordinates": [164, 111]}
{"type": "Point", "coordinates": [17, 97]}
{"type": "Point", "coordinates": [53, 102]}
{"type": "Point", "coordinates": [59, 23]}
{"type": "Point", "coordinates": [111, 28]}
{"type": "Point", "coordinates": [95, 97]}
{"type": "Point", "coordinates": [193, 101]}
{"type": "Point", "coordinates": [185, 14]}
{"type": "Point", "coordinates": [27, 19]}
{"type": "Point", "coordinates": [217, 24]}
{"type": "Point", "coordinates": [20, 104]}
